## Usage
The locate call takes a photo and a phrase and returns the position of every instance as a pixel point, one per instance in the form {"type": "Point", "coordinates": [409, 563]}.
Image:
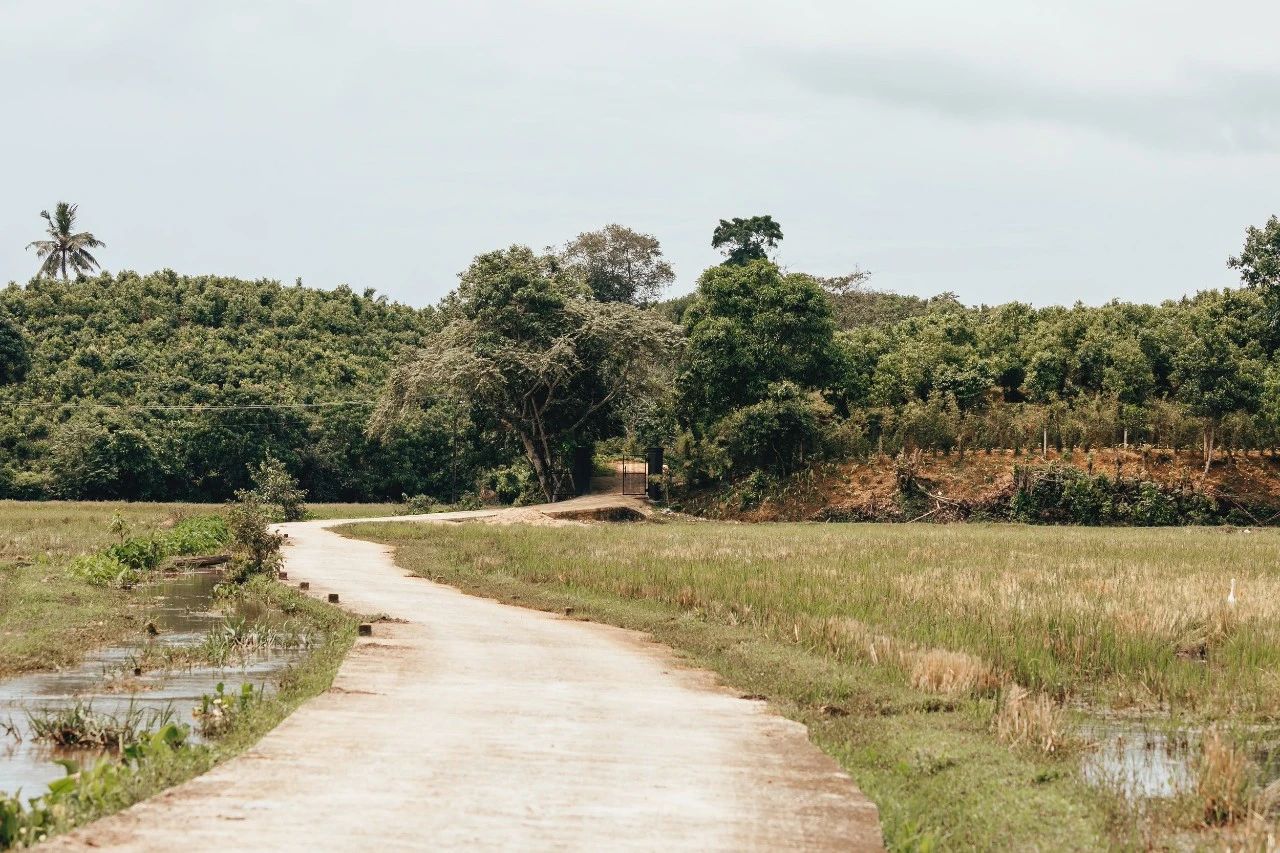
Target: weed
{"type": "Point", "coordinates": [1223, 776]}
{"type": "Point", "coordinates": [1030, 720]}
{"type": "Point", "coordinates": [218, 712]}
{"type": "Point", "coordinates": [78, 725]}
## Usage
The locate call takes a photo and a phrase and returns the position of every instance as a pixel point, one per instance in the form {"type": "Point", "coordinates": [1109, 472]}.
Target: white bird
{"type": "Point", "coordinates": [1231, 596]}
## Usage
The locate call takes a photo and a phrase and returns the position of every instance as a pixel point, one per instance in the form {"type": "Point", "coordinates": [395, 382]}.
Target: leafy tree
{"type": "Point", "coordinates": [533, 352]}
{"type": "Point", "coordinates": [14, 358]}
{"type": "Point", "coordinates": [1259, 265]}
{"type": "Point", "coordinates": [1215, 379]}
{"type": "Point", "coordinates": [232, 350]}
{"type": "Point", "coordinates": [749, 327]}
{"type": "Point", "coordinates": [779, 434]}
{"type": "Point", "coordinates": [278, 491]}
{"type": "Point", "coordinates": [619, 265]}
{"type": "Point", "coordinates": [745, 240]}
{"type": "Point", "coordinates": [65, 249]}
{"type": "Point", "coordinates": [255, 548]}
{"type": "Point", "coordinates": [105, 455]}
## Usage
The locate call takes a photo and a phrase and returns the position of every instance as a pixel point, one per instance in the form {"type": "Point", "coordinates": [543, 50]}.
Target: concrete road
{"type": "Point", "coordinates": [476, 725]}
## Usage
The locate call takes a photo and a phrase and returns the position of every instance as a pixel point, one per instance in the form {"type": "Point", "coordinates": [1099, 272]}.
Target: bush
{"type": "Point", "coordinates": [255, 547]}
{"type": "Point", "coordinates": [201, 534]}
{"type": "Point", "coordinates": [513, 484]}
{"type": "Point", "coordinates": [417, 504]}
{"type": "Point", "coordinates": [778, 434]}
{"type": "Point", "coordinates": [1153, 508]}
{"type": "Point", "coordinates": [141, 555]}
{"type": "Point", "coordinates": [102, 570]}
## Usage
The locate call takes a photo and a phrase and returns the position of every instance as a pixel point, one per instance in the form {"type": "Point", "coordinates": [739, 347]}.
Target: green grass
{"type": "Point", "coordinates": [836, 623]}
{"type": "Point", "coordinates": [49, 619]}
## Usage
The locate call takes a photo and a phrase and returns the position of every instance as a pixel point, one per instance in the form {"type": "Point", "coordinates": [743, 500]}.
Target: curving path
{"type": "Point", "coordinates": [478, 725]}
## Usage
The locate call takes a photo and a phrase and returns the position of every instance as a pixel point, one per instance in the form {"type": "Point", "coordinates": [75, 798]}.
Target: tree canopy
{"type": "Point", "coordinates": [619, 265]}
{"type": "Point", "coordinates": [745, 240]}
{"type": "Point", "coordinates": [533, 352]}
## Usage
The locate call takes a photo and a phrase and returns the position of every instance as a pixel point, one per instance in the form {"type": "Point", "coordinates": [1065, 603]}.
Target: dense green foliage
{"type": "Point", "coordinates": [531, 354]}
{"type": "Point", "coordinates": [129, 560]}
{"type": "Point", "coordinates": [167, 340]}
{"type": "Point", "coordinates": [905, 373]}
{"type": "Point", "coordinates": [163, 386]}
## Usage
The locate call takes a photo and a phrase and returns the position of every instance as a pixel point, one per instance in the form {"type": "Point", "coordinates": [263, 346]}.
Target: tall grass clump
{"type": "Point", "coordinates": [1026, 719]}
{"type": "Point", "coordinates": [1223, 778]}
{"type": "Point", "coordinates": [79, 725]}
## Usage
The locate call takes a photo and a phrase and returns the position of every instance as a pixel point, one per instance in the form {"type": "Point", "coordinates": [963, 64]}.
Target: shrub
{"type": "Point", "coordinates": [778, 434]}
{"type": "Point", "coordinates": [255, 547]}
{"type": "Point", "coordinates": [417, 504]}
{"type": "Point", "coordinates": [513, 484]}
{"type": "Point", "coordinates": [102, 570]}
{"type": "Point", "coordinates": [140, 554]}
{"type": "Point", "coordinates": [1153, 508]}
{"type": "Point", "coordinates": [201, 534]}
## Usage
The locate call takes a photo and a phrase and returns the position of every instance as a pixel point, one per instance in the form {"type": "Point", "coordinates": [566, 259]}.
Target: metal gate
{"type": "Point", "coordinates": [634, 476]}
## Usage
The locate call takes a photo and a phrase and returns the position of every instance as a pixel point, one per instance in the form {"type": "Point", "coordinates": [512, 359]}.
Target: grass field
{"type": "Point", "coordinates": [48, 618]}
{"type": "Point", "coordinates": [907, 650]}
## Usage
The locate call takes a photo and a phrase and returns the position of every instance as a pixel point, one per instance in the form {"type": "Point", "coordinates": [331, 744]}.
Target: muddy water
{"type": "Point", "coordinates": [179, 608]}
{"type": "Point", "coordinates": [1139, 761]}
{"type": "Point", "coordinates": [1142, 761]}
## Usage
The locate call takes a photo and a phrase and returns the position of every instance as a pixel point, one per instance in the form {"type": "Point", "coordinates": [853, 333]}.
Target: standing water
{"type": "Point", "coordinates": [180, 611]}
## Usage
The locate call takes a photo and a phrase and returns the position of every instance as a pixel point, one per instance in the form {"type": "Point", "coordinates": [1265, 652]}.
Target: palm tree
{"type": "Point", "coordinates": [65, 249]}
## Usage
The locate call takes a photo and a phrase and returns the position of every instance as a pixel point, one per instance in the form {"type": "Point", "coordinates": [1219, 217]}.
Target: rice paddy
{"type": "Point", "coordinates": [949, 668]}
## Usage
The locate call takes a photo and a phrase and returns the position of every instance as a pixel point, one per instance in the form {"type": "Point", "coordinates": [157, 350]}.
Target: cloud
{"type": "Point", "coordinates": [1204, 109]}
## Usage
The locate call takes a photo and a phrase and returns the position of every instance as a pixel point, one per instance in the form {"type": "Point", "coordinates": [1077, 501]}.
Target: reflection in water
{"type": "Point", "coordinates": [180, 609]}
{"type": "Point", "coordinates": [1139, 761]}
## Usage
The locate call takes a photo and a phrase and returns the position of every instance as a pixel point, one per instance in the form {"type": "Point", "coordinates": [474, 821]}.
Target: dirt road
{"type": "Point", "coordinates": [477, 725]}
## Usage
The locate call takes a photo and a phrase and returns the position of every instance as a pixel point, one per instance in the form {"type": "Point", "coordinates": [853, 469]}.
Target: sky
{"type": "Point", "coordinates": [1045, 152]}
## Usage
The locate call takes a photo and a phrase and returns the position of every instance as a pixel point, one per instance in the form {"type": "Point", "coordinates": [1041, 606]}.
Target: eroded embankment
{"type": "Point", "coordinates": [1151, 487]}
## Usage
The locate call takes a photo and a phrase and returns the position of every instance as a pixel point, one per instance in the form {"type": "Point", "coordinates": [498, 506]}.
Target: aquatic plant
{"type": "Point", "coordinates": [218, 712]}
{"type": "Point", "coordinates": [79, 725]}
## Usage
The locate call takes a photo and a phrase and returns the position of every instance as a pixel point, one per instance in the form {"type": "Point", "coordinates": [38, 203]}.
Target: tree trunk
{"type": "Point", "coordinates": [1208, 448]}
{"type": "Point", "coordinates": [1126, 438]}
{"type": "Point", "coordinates": [540, 467]}
{"type": "Point", "coordinates": [1044, 444]}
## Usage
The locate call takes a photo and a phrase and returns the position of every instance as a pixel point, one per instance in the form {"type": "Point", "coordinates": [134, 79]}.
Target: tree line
{"type": "Point", "coordinates": [539, 353]}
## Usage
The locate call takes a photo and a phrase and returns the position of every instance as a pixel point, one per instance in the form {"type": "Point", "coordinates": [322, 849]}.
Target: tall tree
{"type": "Point", "coordinates": [529, 349]}
{"type": "Point", "coordinates": [1259, 265]}
{"type": "Point", "coordinates": [751, 326]}
{"type": "Point", "coordinates": [65, 250]}
{"type": "Point", "coordinates": [619, 265]}
{"type": "Point", "coordinates": [745, 240]}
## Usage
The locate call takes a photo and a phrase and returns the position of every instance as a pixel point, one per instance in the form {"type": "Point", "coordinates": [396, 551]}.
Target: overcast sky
{"type": "Point", "coordinates": [1046, 152]}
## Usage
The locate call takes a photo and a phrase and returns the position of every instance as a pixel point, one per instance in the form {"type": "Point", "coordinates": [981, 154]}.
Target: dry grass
{"type": "Point", "coordinates": [1126, 619]}
{"type": "Point", "coordinates": [952, 673]}
{"type": "Point", "coordinates": [1025, 719]}
{"type": "Point", "coordinates": [1129, 618]}
{"type": "Point", "coordinates": [1223, 778]}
